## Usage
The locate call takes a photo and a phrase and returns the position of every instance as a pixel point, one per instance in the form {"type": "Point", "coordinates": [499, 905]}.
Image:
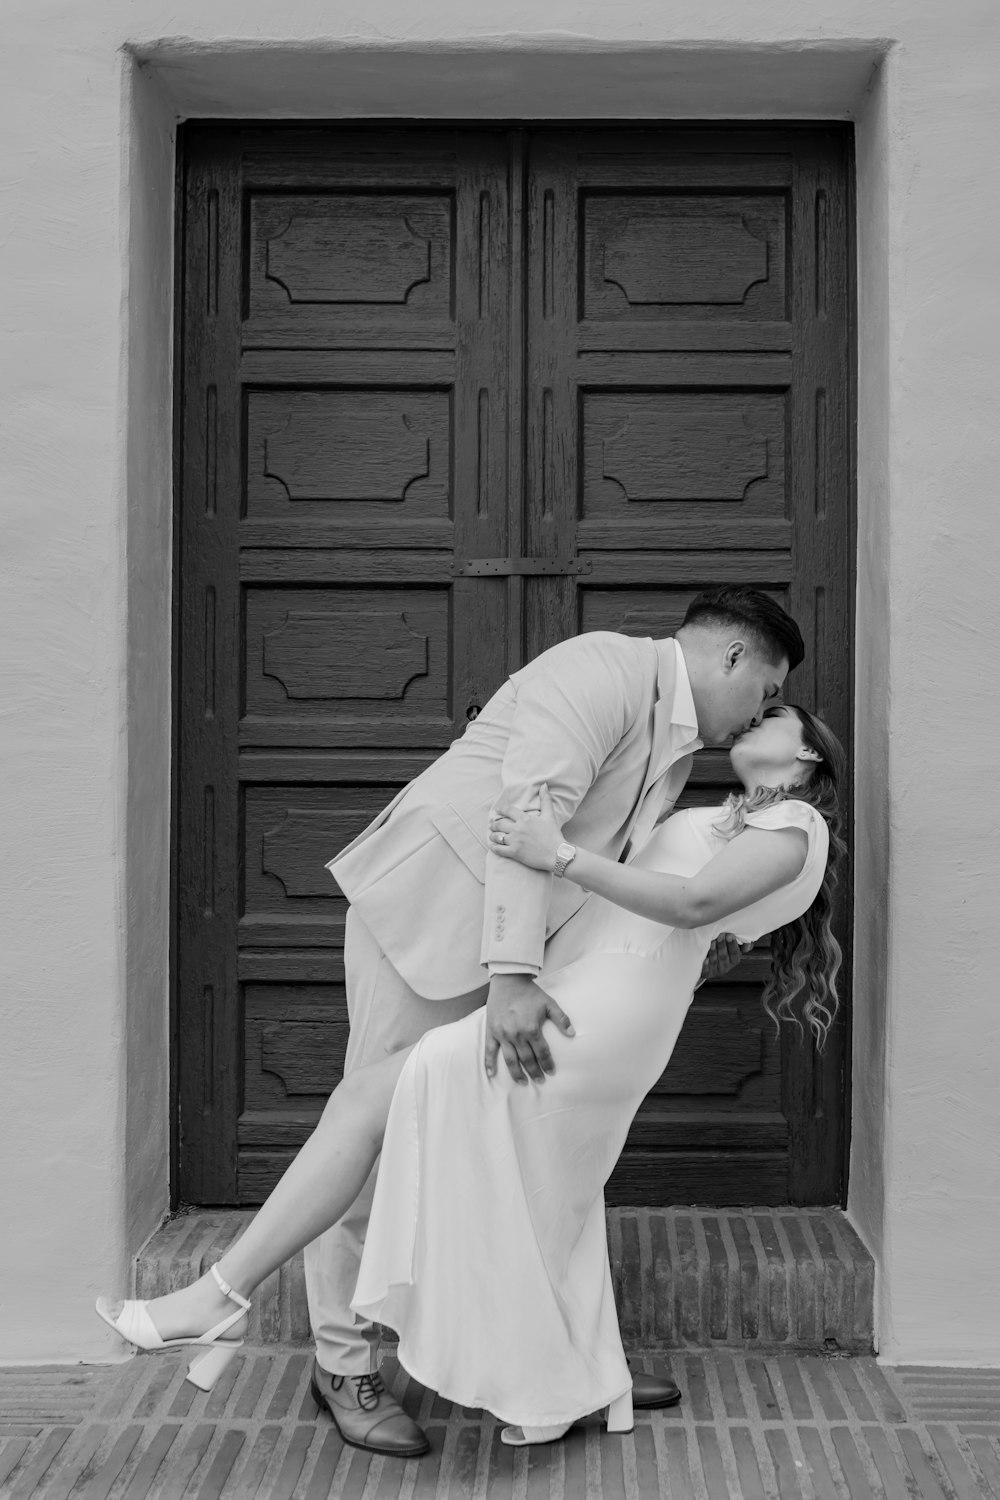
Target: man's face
{"type": "Point", "coordinates": [739, 689]}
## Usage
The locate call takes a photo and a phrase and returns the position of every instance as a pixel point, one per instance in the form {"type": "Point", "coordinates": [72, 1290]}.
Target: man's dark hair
{"type": "Point", "coordinates": [753, 614]}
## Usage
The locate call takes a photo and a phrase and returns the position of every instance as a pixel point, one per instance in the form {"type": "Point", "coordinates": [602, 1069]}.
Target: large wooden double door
{"type": "Point", "coordinates": [447, 397]}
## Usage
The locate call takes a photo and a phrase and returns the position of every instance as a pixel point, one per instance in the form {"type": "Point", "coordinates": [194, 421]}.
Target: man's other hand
{"type": "Point", "coordinates": [515, 1010]}
{"type": "Point", "coordinates": [724, 954]}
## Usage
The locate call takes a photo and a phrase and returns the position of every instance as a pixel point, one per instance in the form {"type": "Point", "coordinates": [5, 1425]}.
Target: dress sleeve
{"type": "Point", "coordinates": [795, 898]}
{"type": "Point", "coordinates": [789, 813]}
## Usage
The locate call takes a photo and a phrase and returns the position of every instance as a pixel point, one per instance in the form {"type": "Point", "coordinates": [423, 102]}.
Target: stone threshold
{"type": "Point", "coordinates": [769, 1279]}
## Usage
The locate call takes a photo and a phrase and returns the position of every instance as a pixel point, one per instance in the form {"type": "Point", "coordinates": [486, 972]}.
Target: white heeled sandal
{"type": "Point", "coordinates": [135, 1325]}
{"type": "Point", "coordinates": [618, 1418]}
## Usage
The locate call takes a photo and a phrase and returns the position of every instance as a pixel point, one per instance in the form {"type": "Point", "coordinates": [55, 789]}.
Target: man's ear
{"type": "Point", "coordinates": [808, 753]}
{"type": "Point", "coordinates": [734, 651]}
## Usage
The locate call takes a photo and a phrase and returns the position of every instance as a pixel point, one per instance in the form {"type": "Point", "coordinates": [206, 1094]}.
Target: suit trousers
{"type": "Point", "coordinates": [385, 1016]}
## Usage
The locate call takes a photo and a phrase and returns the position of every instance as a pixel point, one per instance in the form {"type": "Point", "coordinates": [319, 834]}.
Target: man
{"type": "Point", "coordinates": [437, 926]}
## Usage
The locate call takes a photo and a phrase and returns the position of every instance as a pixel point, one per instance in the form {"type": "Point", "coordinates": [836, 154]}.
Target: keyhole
{"type": "Point", "coordinates": [472, 712]}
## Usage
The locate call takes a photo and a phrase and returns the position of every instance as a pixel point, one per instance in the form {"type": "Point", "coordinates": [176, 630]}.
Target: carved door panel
{"type": "Point", "coordinates": [687, 425]}
{"type": "Point", "coordinates": [346, 381]}
{"type": "Point", "coordinates": [406, 349]}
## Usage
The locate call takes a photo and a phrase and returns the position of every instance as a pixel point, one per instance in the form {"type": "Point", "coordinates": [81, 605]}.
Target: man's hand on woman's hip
{"type": "Point", "coordinates": [515, 1011]}
{"type": "Point", "coordinates": [724, 954]}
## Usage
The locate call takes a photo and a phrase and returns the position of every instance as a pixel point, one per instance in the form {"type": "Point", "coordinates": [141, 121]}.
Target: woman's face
{"type": "Point", "coordinates": [773, 752]}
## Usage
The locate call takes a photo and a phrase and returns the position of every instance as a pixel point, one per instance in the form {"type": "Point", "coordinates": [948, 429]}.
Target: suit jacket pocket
{"type": "Point", "coordinates": [460, 835]}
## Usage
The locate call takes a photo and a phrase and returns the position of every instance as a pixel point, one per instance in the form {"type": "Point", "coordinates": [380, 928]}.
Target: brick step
{"type": "Point", "coordinates": [685, 1278]}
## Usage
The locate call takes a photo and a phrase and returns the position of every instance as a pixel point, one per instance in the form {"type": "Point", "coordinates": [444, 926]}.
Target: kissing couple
{"type": "Point", "coordinates": [532, 895]}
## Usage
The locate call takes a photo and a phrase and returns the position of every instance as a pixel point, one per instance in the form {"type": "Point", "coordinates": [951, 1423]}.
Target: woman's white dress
{"type": "Point", "coordinates": [487, 1248]}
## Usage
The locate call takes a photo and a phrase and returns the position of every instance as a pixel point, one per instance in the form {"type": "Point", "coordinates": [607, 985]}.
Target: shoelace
{"type": "Point", "coordinates": [369, 1389]}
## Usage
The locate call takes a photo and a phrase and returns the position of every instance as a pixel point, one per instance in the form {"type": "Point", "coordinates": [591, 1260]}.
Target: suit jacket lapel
{"type": "Point", "coordinates": [660, 748]}
{"type": "Point", "coordinates": [662, 755]}
{"type": "Point", "coordinates": [659, 740]}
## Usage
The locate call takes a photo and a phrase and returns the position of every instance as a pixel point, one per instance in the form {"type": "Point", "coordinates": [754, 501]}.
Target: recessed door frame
{"type": "Point", "coordinates": [648, 125]}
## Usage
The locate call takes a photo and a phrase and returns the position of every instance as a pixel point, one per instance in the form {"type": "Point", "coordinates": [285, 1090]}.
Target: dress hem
{"type": "Point", "coordinates": [476, 1403]}
{"type": "Point", "coordinates": [547, 1419]}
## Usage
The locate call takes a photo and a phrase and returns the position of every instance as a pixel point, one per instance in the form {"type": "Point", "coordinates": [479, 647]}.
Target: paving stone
{"type": "Point", "coordinates": [858, 1404]}
{"type": "Point", "coordinates": [808, 1279]}
{"type": "Point", "coordinates": [817, 1465]}
{"type": "Point", "coordinates": [852, 1464]}
{"type": "Point", "coordinates": [75, 1463]}
{"type": "Point", "coordinates": [713, 1465]}
{"type": "Point", "coordinates": [12, 1450]}
{"type": "Point", "coordinates": [768, 1405]}
{"type": "Point", "coordinates": [986, 1457]}
{"type": "Point", "coordinates": [144, 1472]}
{"type": "Point", "coordinates": [658, 1314]}
{"type": "Point", "coordinates": [954, 1463]}
{"type": "Point", "coordinates": [39, 1460]}
{"type": "Point", "coordinates": [955, 1395]}
{"type": "Point", "coordinates": [52, 1394]}
{"type": "Point", "coordinates": [820, 1382]}
{"type": "Point", "coordinates": [887, 1400]}
{"type": "Point", "coordinates": [745, 1327]}
{"type": "Point", "coordinates": [722, 1278]}
{"type": "Point", "coordinates": [748, 1476]}
{"type": "Point", "coordinates": [687, 1282]}
{"type": "Point", "coordinates": [729, 1387]}
{"type": "Point", "coordinates": [777, 1280]}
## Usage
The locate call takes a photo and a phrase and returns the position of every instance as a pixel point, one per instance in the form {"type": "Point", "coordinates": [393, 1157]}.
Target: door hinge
{"type": "Point", "coordinates": [521, 567]}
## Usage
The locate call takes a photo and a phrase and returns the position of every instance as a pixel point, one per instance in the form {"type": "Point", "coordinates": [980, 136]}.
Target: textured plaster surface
{"type": "Point", "coordinates": [149, 144]}
{"type": "Point", "coordinates": [84, 647]}
{"type": "Point", "coordinates": [871, 770]}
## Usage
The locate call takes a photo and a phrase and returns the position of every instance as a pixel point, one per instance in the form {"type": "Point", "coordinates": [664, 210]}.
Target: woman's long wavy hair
{"type": "Point", "coordinates": [805, 955]}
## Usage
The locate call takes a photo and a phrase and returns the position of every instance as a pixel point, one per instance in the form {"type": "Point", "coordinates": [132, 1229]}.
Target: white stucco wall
{"type": "Point", "coordinates": [85, 287]}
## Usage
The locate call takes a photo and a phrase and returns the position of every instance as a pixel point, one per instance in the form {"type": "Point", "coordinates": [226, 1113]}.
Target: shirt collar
{"type": "Point", "coordinates": [682, 716]}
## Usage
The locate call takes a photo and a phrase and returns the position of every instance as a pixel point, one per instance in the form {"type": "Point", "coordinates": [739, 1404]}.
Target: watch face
{"type": "Point", "coordinates": [564, 854]}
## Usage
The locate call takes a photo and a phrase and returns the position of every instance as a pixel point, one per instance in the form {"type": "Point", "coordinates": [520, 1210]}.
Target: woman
{"type": "Point", "coordinates": [486, 1249]}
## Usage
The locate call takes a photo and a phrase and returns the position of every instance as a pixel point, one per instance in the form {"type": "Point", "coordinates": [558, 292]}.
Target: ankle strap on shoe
{"type": "Point", "coordinates": [227, 1291]}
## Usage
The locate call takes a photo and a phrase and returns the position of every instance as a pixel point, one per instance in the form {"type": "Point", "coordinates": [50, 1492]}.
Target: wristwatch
{"type": "Point", "coordinates": [564, 854]}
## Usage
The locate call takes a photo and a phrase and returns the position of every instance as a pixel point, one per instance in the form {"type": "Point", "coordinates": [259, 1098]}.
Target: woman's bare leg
{"type": "Point", "coordinates": [320, 1185]}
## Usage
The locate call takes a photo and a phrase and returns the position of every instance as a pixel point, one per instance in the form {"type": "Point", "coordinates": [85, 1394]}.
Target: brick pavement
{"type": "Point", "coordinates": [751, 1425]}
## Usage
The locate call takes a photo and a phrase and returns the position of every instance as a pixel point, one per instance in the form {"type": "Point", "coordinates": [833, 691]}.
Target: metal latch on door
{"type": "Point", "coordinates": [519, 567]}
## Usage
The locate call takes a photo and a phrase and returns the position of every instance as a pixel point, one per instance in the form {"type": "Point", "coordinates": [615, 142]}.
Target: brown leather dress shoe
{"type": "Point", "coordinates": [653, 1390]}
{"type": "Point", "coordinates": [367, 1415]}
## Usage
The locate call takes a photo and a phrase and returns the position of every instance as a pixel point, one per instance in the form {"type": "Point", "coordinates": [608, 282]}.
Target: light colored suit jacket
{"type": "Point", "coordinates": [607, 722]}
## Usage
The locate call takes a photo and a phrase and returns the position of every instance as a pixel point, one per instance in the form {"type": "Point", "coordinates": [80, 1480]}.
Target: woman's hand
{"type": "Point", "coordinates": [531, 838]}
